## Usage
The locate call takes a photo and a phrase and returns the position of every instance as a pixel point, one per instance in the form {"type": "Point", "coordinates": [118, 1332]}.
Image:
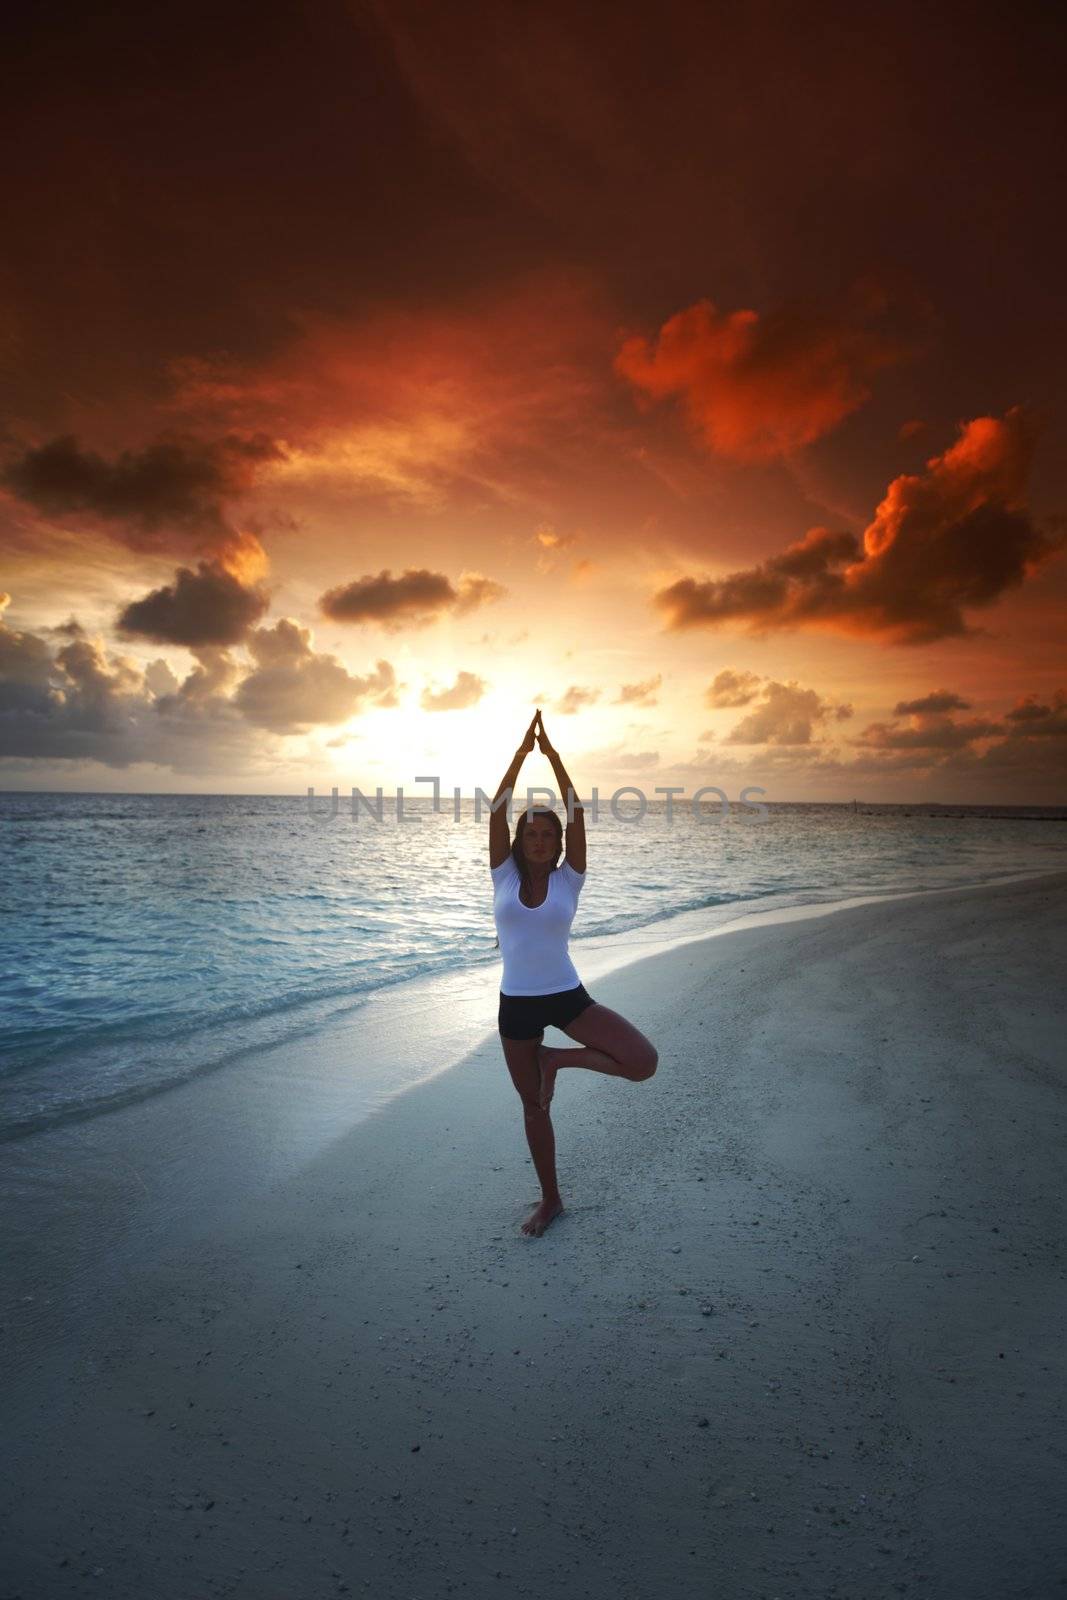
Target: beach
{"type": "Point", "coordinates": [798, 1333]}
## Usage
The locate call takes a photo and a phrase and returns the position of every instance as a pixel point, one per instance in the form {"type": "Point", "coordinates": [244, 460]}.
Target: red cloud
{"type": "Point", "coordinates": [487, 395]}
{"type": "Point", "coordinates": [951, 539]}
{"type": "Point", "coordinates": [756, 387]}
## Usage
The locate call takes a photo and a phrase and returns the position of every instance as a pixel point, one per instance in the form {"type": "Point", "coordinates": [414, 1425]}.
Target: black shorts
{"type": "Point", "coordinates": [526, 1016]}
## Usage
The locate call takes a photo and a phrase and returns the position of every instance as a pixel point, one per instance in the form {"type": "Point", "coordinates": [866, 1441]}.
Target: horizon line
{"type": "Point", "coordinates": [232, 794]}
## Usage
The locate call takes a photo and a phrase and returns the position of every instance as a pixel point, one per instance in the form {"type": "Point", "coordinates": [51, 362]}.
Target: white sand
{"type": "Point", "coordinates": [800, 1332]}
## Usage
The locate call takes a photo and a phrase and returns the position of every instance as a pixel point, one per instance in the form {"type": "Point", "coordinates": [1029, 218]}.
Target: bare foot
{"type": "Point", "coordinates": [539, 1219]}
{"type": "Point", "coordinates": [548, 1075]}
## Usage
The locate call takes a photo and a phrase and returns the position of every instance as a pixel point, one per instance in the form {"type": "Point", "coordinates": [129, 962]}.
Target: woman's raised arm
{"type": "Point", "coordinates": [499, 832]}
{"type": "Point", "coordinates": [575, 852]}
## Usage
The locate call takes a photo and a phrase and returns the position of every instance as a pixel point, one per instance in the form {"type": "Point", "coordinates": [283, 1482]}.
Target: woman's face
{"type": "Point", "coordinates": [539, 841]}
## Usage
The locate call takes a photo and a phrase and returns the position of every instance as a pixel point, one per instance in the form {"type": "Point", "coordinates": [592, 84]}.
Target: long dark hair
{"type": "Point", "coordinates": [517, 853]}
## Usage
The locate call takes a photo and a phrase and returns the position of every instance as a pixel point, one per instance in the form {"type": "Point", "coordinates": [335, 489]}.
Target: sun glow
{"type": "Point", "coordinates": [465, 749]}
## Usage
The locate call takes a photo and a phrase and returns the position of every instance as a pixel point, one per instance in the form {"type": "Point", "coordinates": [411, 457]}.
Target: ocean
{"type": "Point", "coordinates": [149, 939]}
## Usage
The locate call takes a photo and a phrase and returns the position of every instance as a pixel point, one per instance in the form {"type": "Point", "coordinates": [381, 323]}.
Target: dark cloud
{"type": "Point", "coordinates": [168, 497]}
{"type": "Point", "coordinates": [1033, 720]}
{"type": "Point", "coordinates": [27, 673]}
{"type": "Point", "coordinates": [80, 705]}
{"type": "Point", "coordinates": [928, 733]}
{"type": "Point", "coordinates": [413, 600]}
{"type": "Point", "coordinates": [1032, 759]}
{"type": "Point", "coordinates": [210, 606]}
{"type": "Point", "coordinates": [764, 593]}
{"type": "Point", "coordinates": [930, 726]}
{"type": "Point", "coordinates": [938, 700]}
{"type": "Point", "coordinates": [955, 538]}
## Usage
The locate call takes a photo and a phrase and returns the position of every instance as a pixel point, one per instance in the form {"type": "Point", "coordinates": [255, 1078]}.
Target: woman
{"type": "Point", "coordinates": [535, 897]}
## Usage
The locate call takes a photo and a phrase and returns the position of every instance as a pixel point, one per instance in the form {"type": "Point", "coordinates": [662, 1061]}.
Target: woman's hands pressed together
{"type": "Point", "coordinates": [545, 744]}
{"type": "Point", "coordinates": [531, 733]}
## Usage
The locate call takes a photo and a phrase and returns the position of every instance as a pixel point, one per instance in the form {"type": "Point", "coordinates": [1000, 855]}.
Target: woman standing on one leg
{"type": "Point", "coordinates": [535, 897]}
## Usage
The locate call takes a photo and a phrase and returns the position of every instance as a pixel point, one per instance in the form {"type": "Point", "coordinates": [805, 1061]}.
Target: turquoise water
{"type": "Point", "coordinates": [145, 939]}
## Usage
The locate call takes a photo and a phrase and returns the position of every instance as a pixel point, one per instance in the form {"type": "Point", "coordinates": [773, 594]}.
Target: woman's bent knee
{"type": "Point", "coordinates": [646, 1064]}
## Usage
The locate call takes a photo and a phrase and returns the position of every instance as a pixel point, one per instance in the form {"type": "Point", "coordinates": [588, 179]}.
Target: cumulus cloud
{"type": "Point", "coordinates": [640, 694]}
{"type": "Point", "coordinates": [212, 678]}
{"type": "Point", "coordinates": [988, 759]}
{"type": "Point", "coordinates": [786, 714]}
{"type": "Point", "coordinates": [86, 703]}
{"type": "Point", "coordinates": [413, 600]}
{"type": "Point", "coordinates": [1032, 734]}
{"type": "Point", "coordinates": [1034, 751]}
{"type": "Point", "coordinates": [757, 388]}
{"type": "Point", "coordinates": [732, 688]}
{"type": "Point", "coordinates": [294, 688]}
{"type": "Point", "coordinates": [1028, 744]}
{"type": "Point", "coordinates": [169, 497]}
{"type": "Point", "coordinates": [575, 698]}
{"type": "Point", "coordinates": [207, 607]}
{"type": "Point", "coordinates": [954, 538]}
{"type": "Point", "coordinates": [160, 677]}
{"type": "Point", "coordinates": [467, 690]}
{"type": "Point", "coordinates": [26, 673]}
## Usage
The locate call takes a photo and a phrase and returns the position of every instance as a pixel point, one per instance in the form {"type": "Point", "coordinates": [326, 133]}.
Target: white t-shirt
{"type": "Point", "coordinates": [533, 939]}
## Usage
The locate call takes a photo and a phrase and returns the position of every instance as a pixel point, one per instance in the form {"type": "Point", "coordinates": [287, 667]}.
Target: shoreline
{"type": "Point", "coordinates": [601, 955]}
{"type": "Point", "coordinates": [836, 1097]}
{"type": "Point", "coordinates": [94, 1195]}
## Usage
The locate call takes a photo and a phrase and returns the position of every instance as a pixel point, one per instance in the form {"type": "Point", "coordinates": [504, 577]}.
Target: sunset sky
{"type": "Point", "coordinates": [376, 372]}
